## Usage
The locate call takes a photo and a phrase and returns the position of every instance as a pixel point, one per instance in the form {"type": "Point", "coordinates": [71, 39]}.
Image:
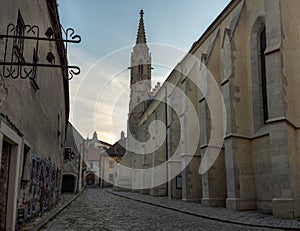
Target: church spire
{"type": "Point", "coordinates": [141, 35]}
{"type": "Point", "coordinates": [140, 81]}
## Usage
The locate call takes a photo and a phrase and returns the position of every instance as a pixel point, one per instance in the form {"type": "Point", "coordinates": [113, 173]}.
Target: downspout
{"type": "Point", "coordinates": [167, 154]}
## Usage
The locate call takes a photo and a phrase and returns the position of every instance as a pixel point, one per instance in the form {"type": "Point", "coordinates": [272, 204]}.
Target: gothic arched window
{"type": "Point", "coordinates": [259, 73]}
{"type": "Point", "coordinates": [141, 70]}
{"type": "Point", "coordinates": [263, 46]}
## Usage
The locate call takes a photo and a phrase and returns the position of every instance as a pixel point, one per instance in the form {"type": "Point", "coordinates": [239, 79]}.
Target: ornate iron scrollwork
{"type": "Point", "coordinates": [17, 37]}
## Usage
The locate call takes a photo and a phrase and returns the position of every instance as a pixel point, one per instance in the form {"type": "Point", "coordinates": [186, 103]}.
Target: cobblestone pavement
{"type": "Point", "coordinates": [246, 218]}
{"type": "Point", "coordinates": [65, 198]}
{"type": "Point", "coordinates": [99, 209]}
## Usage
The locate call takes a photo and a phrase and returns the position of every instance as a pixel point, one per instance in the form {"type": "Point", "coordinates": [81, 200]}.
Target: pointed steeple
{"type": "Point", "coordinates": [141, 35]}
{"type": "Point", "coordinates": [140, 80]}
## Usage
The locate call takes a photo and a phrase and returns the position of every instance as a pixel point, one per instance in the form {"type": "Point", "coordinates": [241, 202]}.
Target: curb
{"type": "Point", "coordinates": [48, 218]}
{"type": "Point", "coordinates": [203, 216]}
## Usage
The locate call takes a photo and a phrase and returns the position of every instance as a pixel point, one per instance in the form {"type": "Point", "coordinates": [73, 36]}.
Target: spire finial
{"type": "Point", "coordinates": [141, 35]}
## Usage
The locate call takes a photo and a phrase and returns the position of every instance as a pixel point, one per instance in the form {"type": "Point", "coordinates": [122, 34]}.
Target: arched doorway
{"type": "Point", "coordinates": [90, 179]}
{"type": "Point", "coordinates": [68, 183]}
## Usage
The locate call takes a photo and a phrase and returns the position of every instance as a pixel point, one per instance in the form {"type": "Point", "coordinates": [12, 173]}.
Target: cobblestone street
{"type": "Point", "coordinates": [98, 209]}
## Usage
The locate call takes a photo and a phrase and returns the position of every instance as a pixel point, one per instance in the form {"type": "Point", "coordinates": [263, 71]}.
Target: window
{"type": "Point", "coordinates": [58, 125]}
{"type": "Point", "coordinates": [141, 70]}
{"type": "Point", "coordinates": [111, 164]}
{"type": "Point", "coordinates": [111, 177]}
{"type": "Point", "coordinates": [91, 165]}
{"type": "Point", "coordinates": [259, 73]}
{"type": "Point", "coordinates": [179, 182]}
{"type": "Point", "coordinates": [69, 154]}
{"type": "Point", "coordinates": [263, 46]}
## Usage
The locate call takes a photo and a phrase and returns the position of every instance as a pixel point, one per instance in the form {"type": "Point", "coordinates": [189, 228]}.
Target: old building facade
{"type": "Point", "coordinates": [109, 161]}
{"type": "Point", "coordinates": [94, 148]}
{"type": "Point", "coordinates": [250, 52]}
{"type": "Point", "coordinates": [34, 109]}
{"type": "Point", "coordinates": [74, 166]}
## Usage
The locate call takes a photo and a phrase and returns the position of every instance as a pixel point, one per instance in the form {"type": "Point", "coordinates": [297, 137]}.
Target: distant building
{"type": "Point", "coordinates": [34, 110]}
{"type": "Point", "coordinates": [92, 166]}
{"type": "Point", "coordinates": [94, 148]}
{"type": "Point", "coordinates": [94, 142]}
{"type": "Point", "coordinates": [74, 166]}
{"type": "Point", "coordinates": [109, 161]}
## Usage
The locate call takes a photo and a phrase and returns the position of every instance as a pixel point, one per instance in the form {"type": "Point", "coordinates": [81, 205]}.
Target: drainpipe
{"type": "Point", "coordinates": [166, 122]}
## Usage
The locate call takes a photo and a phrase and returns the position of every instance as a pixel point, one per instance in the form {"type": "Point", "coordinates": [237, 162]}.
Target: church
{"type": "Point", "coordinates": [240, 80]}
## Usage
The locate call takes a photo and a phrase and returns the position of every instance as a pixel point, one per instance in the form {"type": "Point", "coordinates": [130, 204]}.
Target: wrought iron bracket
{"type": "Point", "coordinates": [18, 37]}
{"type": "Point", "coordinates": [72, 70]}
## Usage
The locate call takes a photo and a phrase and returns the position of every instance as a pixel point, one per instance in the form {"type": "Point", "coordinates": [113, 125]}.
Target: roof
{"type": "Point", "coordinates": [104, 143]}
{"type": "Point", "coordinates": [73, 138]}
{"type": "Point", "coordinates": [118, 148]}
{"type": "Point", "coordinates": [100, 141]}
{"type": "Point", "coordinates": [227, 10]}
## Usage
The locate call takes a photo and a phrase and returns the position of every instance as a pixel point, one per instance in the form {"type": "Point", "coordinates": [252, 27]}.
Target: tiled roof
{"type": "Point", "coordinates": [117, 149]}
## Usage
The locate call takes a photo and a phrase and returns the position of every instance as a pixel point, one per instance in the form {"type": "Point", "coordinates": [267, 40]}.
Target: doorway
{"type": "Point", "coordinates": [90, 179]}
{"type": "Point", "coordinates": [68, 183]}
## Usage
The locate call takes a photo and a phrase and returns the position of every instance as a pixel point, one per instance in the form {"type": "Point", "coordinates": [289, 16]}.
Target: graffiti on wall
{"type": "Point", "coordinates": [43, 189]}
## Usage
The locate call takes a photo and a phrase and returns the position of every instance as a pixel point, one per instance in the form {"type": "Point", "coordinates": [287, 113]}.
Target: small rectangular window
{"type": "Point", "coordinates": [68, 153]}
{"type": "Point", "coordinates": [111, 164]}
{"type": "Point", "coordinates": [179, 182]}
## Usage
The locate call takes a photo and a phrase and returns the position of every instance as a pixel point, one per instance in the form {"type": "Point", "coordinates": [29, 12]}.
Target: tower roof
{"type": "Point", "coordinates": [141, 35]}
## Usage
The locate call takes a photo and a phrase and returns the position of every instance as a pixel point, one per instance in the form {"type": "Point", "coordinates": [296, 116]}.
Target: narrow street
{"type": "Point", "coordinates": [99, 209]}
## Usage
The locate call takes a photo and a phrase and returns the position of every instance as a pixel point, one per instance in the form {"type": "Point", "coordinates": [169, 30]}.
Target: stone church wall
{"type": "Point", "coordinates": [250, 51]}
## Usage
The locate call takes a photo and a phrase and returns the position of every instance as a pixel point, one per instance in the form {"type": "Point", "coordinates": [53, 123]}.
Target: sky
{"type": "Point", "coordinates": [99, 96]}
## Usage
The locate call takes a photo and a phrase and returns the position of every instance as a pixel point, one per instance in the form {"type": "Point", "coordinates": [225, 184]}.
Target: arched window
{"type": "Point", "coordinates": [259, 72]}
{"type": "Point", "coordinates": [141, 70]}
{"type": "Point", "coordinates": [263, 46]}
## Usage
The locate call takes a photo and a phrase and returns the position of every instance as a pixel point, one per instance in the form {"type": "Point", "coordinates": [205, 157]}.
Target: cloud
{"type": "Point", "coordinates": [93, 95]}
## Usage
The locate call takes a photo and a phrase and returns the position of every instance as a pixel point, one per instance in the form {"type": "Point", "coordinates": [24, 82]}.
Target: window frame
{"type": "Point", "coordinates": [111, 164]}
